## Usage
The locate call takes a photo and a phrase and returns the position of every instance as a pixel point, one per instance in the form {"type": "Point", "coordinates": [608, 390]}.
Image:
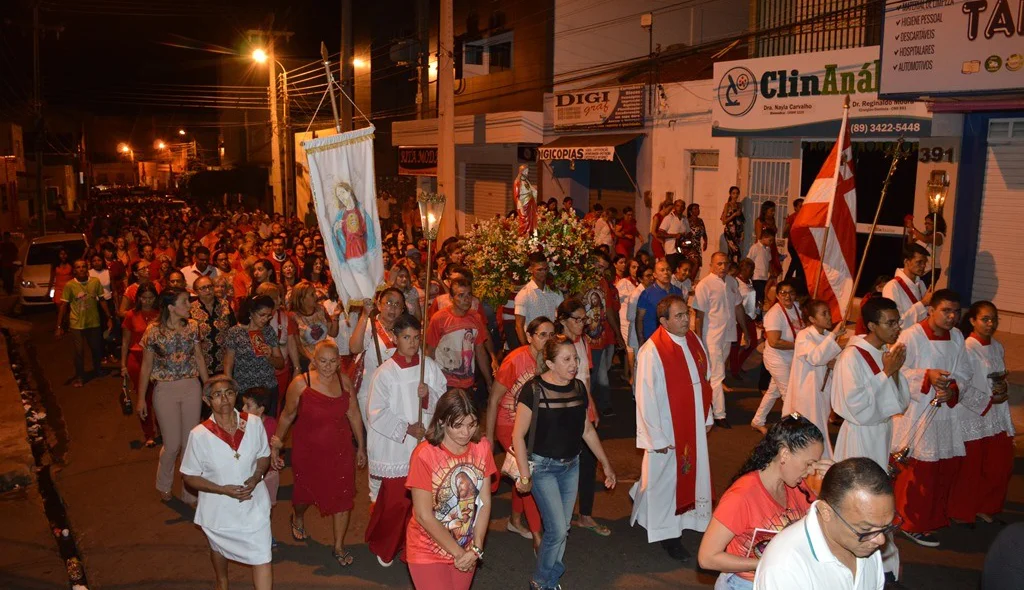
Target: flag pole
{"type": "Point", "coordinates": [841, 142]}
{"type": "Point", "coordinates": [330, 85]}
{"type": "Point", "coordinates": [897, 155]}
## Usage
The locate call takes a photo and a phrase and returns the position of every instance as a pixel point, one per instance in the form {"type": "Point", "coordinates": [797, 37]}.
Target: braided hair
{"type": "Point", "coordinates": [794, 432]}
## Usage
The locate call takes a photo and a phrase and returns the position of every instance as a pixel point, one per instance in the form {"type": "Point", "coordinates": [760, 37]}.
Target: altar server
{"type": "Point", "coordinates": [907, 289]}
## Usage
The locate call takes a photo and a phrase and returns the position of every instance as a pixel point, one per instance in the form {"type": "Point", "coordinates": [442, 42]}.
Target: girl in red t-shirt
{"type": "Point", "coordinates": [771, 491]}
{"type": "Point", "coordinates": [449, 478]}
{"type": "Point", "coordinates": [518, 367]}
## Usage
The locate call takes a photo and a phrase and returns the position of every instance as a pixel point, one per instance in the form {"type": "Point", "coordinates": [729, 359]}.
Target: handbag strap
{"type": "Point", "coordinates": [537, 389]}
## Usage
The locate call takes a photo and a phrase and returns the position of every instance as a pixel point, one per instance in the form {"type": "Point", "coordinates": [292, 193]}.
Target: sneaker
{"type": "Point", "coordinates": [385, 563]}
{"type": "Point", "coordinates": [922, 539]}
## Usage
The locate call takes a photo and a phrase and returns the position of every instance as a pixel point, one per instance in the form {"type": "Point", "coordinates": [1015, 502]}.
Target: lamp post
{"type": "Point", "coordinates": [938, 186]}
{"type": "Point", "coordinates": [280, 162]}
{"type": "Point", "coordinates": [431, 210]}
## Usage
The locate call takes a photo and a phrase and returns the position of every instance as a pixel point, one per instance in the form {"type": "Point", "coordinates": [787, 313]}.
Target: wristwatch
{"type": "Point", "coordinates": [524, 479]}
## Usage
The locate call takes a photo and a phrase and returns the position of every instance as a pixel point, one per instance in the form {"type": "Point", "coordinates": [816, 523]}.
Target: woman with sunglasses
{"type": "Point", "coordinates": [768, 493]}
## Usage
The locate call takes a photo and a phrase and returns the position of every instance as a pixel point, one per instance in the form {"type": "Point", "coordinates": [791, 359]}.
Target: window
{"type": "Point", "coordinates": [501, 57]}
{"type": "Point", "coordinates": [474, 54]}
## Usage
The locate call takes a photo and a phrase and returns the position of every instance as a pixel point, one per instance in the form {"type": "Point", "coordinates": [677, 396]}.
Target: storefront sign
{"type": "Point", "coordinates": [601, 152]}
{"type": "Point", "coordinates": [802, 96]}
{"type": "Point", "coordinates": [600, 108]}
{"type": "Point", "coordinates": [417, 161]}
{"type": "Point", "coordinates": [942, 47]}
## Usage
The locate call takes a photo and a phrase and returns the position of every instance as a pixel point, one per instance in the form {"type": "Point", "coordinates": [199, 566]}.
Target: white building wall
{"type": "Point", "coordinates": [682, 127]}
{"type": "Point", "coordinates": [592, 34]}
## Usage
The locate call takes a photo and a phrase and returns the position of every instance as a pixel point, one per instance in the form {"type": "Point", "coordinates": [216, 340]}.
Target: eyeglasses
{"type": "Point", "coordinates": [393, 304]}
{"type": "Point", "coordinates": [578, 318]}
{"type": "Point", "coordinates": [865, 537]}
{"type": "Point", "coordinates": [786, 293]}
{"type": "Point", "coordinates": [223, 393]}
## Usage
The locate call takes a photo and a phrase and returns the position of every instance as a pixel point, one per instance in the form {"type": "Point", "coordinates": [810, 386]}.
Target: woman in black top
{"type": "Point", "coordinates": [551, 467]}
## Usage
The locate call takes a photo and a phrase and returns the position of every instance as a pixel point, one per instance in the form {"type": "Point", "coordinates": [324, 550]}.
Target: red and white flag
{"type": "Point", "coordinates": [830, 213]}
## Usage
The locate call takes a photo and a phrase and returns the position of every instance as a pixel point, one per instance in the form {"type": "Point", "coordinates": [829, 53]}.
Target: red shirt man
{"type": "Point", "coordinates": [456, 339]}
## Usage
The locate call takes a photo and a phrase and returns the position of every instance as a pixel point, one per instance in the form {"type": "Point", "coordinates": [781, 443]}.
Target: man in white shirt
{"type": "Point", "coordinates": [535, 299]}
{"type": "Point", "coordinates": [907, 289]}
{"type": "Point", "coordinates": [836, 546]}
{"type": "Point", "coordinates": [673, 227]}
{"type": "Point", "coordinates": [201, 268]}
{"type": "Point", "coordinates": [717, 308]}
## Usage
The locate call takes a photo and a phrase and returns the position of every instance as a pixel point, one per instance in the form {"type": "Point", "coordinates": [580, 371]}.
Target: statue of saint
{"type": "Point", "coordinates": [526, 201]}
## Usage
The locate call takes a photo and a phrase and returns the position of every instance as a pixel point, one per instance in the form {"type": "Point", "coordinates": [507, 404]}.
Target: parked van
{"type": "Point", "coordinates": [36, 278]}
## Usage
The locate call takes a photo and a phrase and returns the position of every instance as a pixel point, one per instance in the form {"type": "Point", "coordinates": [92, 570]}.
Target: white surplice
{"type": "Point", "coordinates": [941, 437]}
{"type": "Point", "coordinates": [392, 406]}
{"type": "Point", "coordinates": [911, 311]}
{"type": "Point", "coordinates": [867, 401]}
{"type": "Point", "coordinates": [805, 394]}
{"type": "Point", "coordinates": [654, 496]}
{"type": "Point", "coordinates": [984, 359]}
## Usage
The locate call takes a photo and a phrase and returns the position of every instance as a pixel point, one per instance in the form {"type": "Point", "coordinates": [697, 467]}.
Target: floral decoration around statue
{"type": "Point", "coordinates": [497, 254]}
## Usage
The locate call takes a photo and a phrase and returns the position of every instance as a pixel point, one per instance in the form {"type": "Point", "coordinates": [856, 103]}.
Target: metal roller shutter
{"type": "Point", "coordinates": [996, 272]}
{"type": "Point", "coordinates": [488, 190]}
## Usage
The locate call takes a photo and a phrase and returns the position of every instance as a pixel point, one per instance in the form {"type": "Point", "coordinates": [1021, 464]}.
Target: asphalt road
{"type": "Point", "coordinates": [130, 540]}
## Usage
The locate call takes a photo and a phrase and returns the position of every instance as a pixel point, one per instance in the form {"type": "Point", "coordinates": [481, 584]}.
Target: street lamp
{"type": "Point", "coordinates": [938, 186]}
{"type": "Point", "coordinates": [283, 165]}
{"type": "Point", "coordinates": [431, 209]}
{"type": "Point", "coordinates": [181, 132]}
{"type": "Point", "coordinates": [161, 145]}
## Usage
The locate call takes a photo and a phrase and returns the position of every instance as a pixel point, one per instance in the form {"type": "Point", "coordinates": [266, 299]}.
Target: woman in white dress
{"type": "Point", "coordinates": [225, 461]}
{"type": "Point", "coordinates": [814, 353]}
{"type": "Point", "coordinates": [782, 322]}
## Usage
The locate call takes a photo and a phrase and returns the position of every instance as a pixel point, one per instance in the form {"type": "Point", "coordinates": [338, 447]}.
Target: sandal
{"type": "Point", "coordinates": [298, 533]}
{"type": "Point", "coordinates": [344, 559]}
{"type": "Point", "coordinates": [597, 528]}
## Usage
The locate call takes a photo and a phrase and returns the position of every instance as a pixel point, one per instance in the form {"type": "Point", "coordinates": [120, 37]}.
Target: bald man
{"type": "Point", "coordinates": [717, 307]}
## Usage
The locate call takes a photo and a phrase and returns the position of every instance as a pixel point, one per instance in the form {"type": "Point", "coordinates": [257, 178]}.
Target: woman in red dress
{"type": "Point", "coordinates": [323, 459]}
{"type": "Point", "coordinates": [62, 275]}
{"type": "Point", "coordinates": [135, 323]}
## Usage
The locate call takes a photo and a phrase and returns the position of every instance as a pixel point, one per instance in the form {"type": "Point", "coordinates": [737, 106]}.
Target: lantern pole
{"type": "Point", "coordinates": [431, 210]}
{"type": "Point", "coordinates": [937, 187]}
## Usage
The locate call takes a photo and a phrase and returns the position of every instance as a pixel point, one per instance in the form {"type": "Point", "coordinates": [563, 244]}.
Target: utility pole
{"type": "Point", "coordinates": [347, 69]}
{"type": "Point", "coordinates": [289, 142]}
{"type": "Point", "coordinates": [37, 108]}
{"type": "Point", "coordinates": [446, 120]}
{"type": "Point", "coordinates": [423, 33]}
{"type": "Point", "coordinates": [277, 159]}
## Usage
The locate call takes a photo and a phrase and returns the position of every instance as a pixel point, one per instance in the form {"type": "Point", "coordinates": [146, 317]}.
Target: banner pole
{"type": "Point", "coordinates": [330, 86]}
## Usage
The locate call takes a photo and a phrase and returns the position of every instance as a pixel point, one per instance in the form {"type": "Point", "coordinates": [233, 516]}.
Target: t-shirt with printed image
{"type": "Point", "coordinates": [454, 482]}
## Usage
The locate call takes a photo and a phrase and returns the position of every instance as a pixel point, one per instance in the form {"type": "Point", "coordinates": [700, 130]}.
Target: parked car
{"type": "Point", "coordinates": [36, 276]}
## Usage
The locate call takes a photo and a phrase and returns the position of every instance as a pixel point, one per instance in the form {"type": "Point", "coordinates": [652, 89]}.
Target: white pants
{"type": "Point", "coordinates": [779, 369]}
{"type": "Point", "coordinates": [718, 354]}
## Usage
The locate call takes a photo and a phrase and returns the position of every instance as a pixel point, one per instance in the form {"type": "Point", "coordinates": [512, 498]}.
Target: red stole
{"type": "Point", "coordinates": [870, 360]}
{"type": "Point", "coordinates": [234, 440]}
{"type": "Point", "coordinates": [679, 386]}
{"type": "Point", "coordinates": [906, 289]}
{"type": "Point", "coordinates": [792, 328]}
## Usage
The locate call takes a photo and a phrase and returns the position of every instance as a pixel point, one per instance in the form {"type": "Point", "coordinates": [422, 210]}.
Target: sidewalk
{"type": "Point", "coordinates": [28, 553]}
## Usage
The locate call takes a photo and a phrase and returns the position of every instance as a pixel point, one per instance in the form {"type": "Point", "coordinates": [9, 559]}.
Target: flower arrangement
{"type": "Point", "coordinates": [497, 255]}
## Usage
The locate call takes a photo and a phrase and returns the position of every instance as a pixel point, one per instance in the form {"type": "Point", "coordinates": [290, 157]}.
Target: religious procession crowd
{"type": "Point", "coordinates": [244, 362]}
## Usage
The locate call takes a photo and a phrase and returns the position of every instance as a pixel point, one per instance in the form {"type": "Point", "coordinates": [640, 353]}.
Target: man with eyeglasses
{"type": "Point", "coordinates": [939, 376]}
{"type": "Point", "coordinates": [907, 289]}
{"type": "Point", "coordinates": [836, 546]}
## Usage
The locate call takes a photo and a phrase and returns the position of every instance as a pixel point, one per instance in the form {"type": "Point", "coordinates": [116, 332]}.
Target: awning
{"type": "Point", "coordinates": [585, 147]}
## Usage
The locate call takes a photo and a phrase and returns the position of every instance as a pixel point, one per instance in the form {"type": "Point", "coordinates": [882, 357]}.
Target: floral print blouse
{"type": "Point", "coordinates": [173, 351]}
{"type": "Point", "coordinates": [213, 323]}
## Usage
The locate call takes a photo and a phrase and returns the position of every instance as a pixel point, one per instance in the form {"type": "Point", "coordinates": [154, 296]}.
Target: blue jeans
{"type": "Point", "coordinates": [554, 489]}
{"type": "Point", "coordinates": [732, 582]}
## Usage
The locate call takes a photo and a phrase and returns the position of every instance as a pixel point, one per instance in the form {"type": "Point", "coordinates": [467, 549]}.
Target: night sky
{"type": "Point", "coordinates": [123, 57]}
